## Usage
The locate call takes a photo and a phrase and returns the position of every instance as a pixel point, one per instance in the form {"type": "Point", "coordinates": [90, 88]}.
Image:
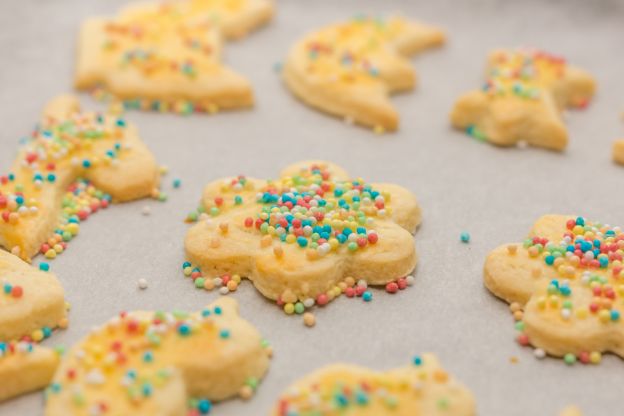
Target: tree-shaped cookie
{"type": "Point", "coordinates": [73, 164]}
{"type": "Point", "coordinates": [349, 69]}
{"type": "Point", "coordinates": [522, 99]}
{"type": "Point", "coordinates": [564, 286]}
{"type": "Point", "coordinates": [618, 151]}
{"type": "Point", "coordinates": [304, 238]}
{"type": "Point", "coordinates": [167, 55]}
{"type": "Point", "coordinates": [151, 363]}
{"type": "Point", "coordinates": [25, 367]}
{"type": "Point", "coordinates": [422, 389]}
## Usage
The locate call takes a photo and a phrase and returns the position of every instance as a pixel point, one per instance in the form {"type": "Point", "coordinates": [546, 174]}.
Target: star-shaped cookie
{"type": "Point", "coordinates": [151, 363]}
{"type": "Point", "coordinates": [564, 286]}
{"type": "Point", "coordinates": [522, 99]}
{"type": "Point", "coordinates": [167, 55]}
{"type": "Point", "coordinates": [304, 238]}
{"type": "Point", "coordinates": [349, 69]}
{"type": "Point", "coordinates": [422, 389]}
{"type": "Point", "coordinates": [52, 184]}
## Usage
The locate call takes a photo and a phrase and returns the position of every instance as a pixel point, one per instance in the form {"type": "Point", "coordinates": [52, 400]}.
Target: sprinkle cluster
{"type": "Point", "coordinates": [8, 349]}
{"type": "Point", "coordinates": [523, 73]}
{"type": "Point", "coordinates": [133, 354]}
{"type": "Point", "coordinates": [52, 149]}
{"type": "Point", "coordinates": [588, 258]}
{"type": "Point", "coordinates": [341, 395]}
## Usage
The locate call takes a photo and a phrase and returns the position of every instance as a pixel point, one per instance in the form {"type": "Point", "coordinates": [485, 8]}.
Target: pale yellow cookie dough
{"type": "Point", "coordinates": [526, 91]}
{"type": "Point", "coordinates": [25, 367]}
{"type": "Point", "coordinates": [234, 242]}
{"type": "Point", "coordinates": [422, 389]}
{"type": "Point", "coordinates": [41, 301]}
{"type": "Point", "coordinates": [67, 145]}
{"type": "Point", "coordinates": [151, 363]}
{"type": "Point", "coordinates": [167, 55]}
{"type": "Point", "coordinates": [349, 69]}
{"type": "Point", "coordinates": [571, 411]}
{"type": "Point", "coordinates": [618, 152]}
{"type": "Point", "coordinates": [570, 295]}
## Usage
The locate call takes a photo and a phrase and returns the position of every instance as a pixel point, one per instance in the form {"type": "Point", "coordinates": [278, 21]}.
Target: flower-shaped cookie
{"type": "Point", "coordinates": [304, 238]}
{"type": "Point", "coordinates": [618, 151]}
{"type": "Point", "coordinates": [423, 388]}
{"type": "Point", "coordinates": [150, 363]}
{"type": "Point", "coordinates": [51, 186]}
{"type": "Point", "coordinates": [349, 69]}
{"type": "Point", "coordinates": [25, 367]}
{"type": "Point", "coordinates": [167, 55]}
{"type": "Point", "coordinates": [567, 278]}
{"type": "Point", "coordinates": [522, 100]}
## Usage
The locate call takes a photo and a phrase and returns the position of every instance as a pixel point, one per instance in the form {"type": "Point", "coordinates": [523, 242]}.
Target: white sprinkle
{"type": "Point", "coordinates": [224, 290]}
{"type": "Point", "coordinates": [539, 353]}
{"type": "Point", "coordinates": [409, 280]}
{"type": "Point", "coordinates": [95, 377]}
{"type": "Point", "coordinates": [308, 303]}
{"type": "Point", "coordinates": [142, 284]}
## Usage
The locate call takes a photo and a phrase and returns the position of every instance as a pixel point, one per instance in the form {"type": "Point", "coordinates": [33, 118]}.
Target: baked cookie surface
{"type": "Point", "coordinates": [72, 165]}
{"type": "Point", "coordinates": [304, 238]}
{"type": "Point", "coordinates": [564, 286]}
{"type": "Point", "coordinates": [32, 301]}
{"type": "Point", "coordinates": [25, 367]}
{"type": "Point", "coordinates": [522, 99]}
{"type": "Point", "coordinates": [151, 363]}
{"type": "Point", "coordinates": [166, 56]}
{"type": "Point", "coordinates": [349, 69]}
{"type": "Point", "coordinates": [423, 388]}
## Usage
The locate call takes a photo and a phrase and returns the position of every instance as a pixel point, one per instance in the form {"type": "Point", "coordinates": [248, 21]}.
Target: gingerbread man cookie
{"type": "Point", "coordinates": [618, 152]}
{"type": "Point", "coordinates": [423, 388]}
{"type": "Point", "coordinates": [304, 238]}
{"type": "Point", "coordinates": [32, 302]}
{"type": "Point", "coordinates": [564, 286]}
{"type": "Point", "coordinates": [151, 363]}
{"type": "Point", "coordinates": [349, 69]}
{"type": "Point", "coordinates": [52, 185]}
{"type": "Point", "coordinates": [25, 367]}
{"type": "Point", "coordinates": [167, 56]}
{"type": "Point", "coordinates": [522, 100]}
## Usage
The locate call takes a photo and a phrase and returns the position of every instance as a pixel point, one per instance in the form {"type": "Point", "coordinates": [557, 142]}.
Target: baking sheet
{"type": "Point", "coordinates": [462, 185]}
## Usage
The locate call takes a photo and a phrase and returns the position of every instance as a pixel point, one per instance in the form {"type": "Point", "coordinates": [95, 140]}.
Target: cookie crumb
{"type": "Point", "coordinates": [146, 210]}
{"type": "Point", "coordinates": [309, 319]}
{"type": "Point", "coordinates": [513, 359]}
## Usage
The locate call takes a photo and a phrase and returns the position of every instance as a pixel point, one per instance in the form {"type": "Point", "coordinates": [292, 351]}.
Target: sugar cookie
{"type": "Point", "coordinates": [522, 100]}
{"type": "Point", "coordinates": [618, 151]}
{"type": "Point", "coordinates": [150, 363]}
{"type": "Point", "coordinates": [304, 238]}
{"type": "Point", "coordinates": [349, 69]}
{"type": "Point", "coordinates": [51, 187]}
{"type": "Point", "coordinates": [167, 55]}
{"type": "Point", "coordinates": [32, 301]}
{"type": "Point", "coordinates": [563, 286]}
{"type": "Point", "coordinates": [25, 367]}
{"type": "Point", "coordinates": [423, 388]}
